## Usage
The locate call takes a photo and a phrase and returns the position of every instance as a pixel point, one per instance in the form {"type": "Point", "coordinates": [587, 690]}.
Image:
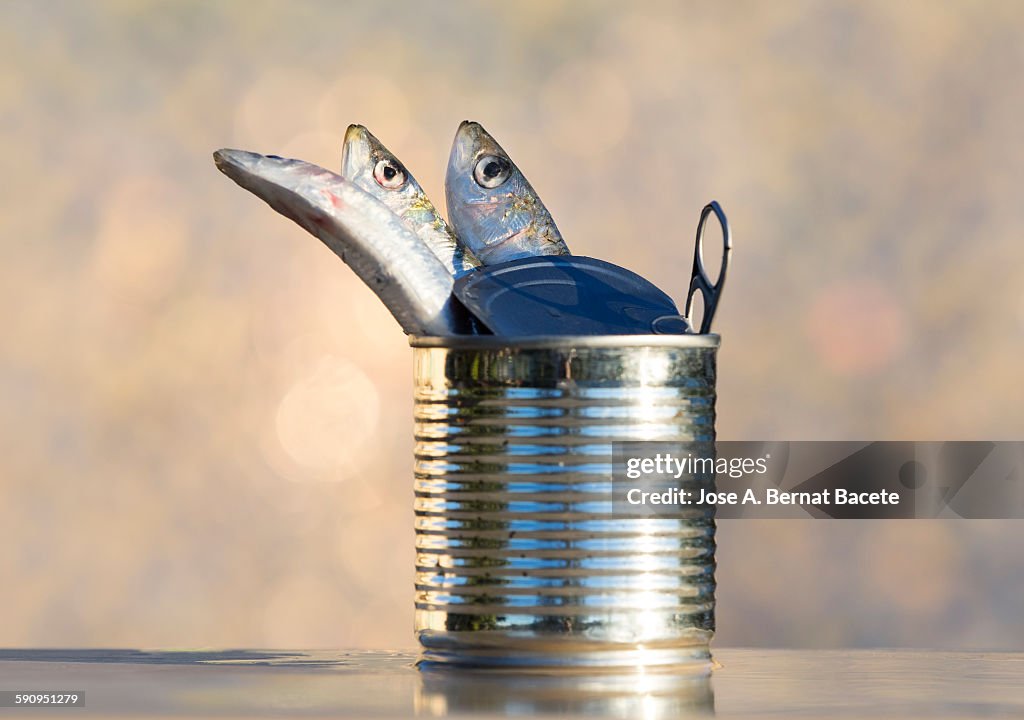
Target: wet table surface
{"type": "Point", "coordinates": [749, 683]}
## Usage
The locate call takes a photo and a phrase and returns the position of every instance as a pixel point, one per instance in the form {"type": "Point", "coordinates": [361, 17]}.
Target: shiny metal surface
{"type": "Point", "coordinates": [519, 562]}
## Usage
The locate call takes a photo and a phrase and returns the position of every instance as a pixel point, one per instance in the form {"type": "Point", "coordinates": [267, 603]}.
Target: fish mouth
{"type": "Point", "coordinates": [356, 151]}
{"type": "Point", "coordinates": [228, 156]}
{"type": "Point", "coordinates": [470, 140]}
{"type": "Point", "coordinates": [356, 133]}
{"type": "Point", "coordinates": [361, 148]}
{"type": "Point", "coordinates": [229, 160]}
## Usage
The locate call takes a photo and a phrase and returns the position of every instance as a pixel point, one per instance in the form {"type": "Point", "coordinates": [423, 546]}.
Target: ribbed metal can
{"type": "Point", "coordinates": [520, 561]}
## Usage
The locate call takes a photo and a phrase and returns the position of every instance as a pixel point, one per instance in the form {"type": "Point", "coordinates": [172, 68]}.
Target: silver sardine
{"type": "Point", "coordinates": [372, 167]}
{"type": "Point", "coordinates": [387, 256]}
{"type": "Point", "coordinates": [491, 206]}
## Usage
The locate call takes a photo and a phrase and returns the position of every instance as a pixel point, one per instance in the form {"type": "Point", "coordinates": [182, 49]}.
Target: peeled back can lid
{"type": "Point", "coordinates": [567, 295]}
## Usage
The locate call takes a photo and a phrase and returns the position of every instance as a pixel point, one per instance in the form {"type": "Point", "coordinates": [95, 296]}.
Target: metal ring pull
{"type": "Point", "coordinates": [711, 292]}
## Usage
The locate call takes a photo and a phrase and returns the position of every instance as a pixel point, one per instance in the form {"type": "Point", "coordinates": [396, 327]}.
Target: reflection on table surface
{"type": "Point", "coordinates": [749, 683]}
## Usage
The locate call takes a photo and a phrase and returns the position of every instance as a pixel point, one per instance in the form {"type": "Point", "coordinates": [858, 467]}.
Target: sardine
{"type": "Point", "coordinates": [372, 167]}
{"type": "Point", "coordinates": [492, 207]}
{"type": "Point", "coordinates": [414, 285]}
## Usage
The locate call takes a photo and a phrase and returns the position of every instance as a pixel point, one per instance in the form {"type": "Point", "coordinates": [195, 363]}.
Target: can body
{"type": "Point", "coordinates": [519, 561]}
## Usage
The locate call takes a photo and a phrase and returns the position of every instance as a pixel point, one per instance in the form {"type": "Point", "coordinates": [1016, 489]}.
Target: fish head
{"type": "Point", "coordinates": [363, 231]}
{"type": "Point", "coordinates": [299, 190]}
{"type": "Point", "coordinates": [491, 205]}
{"type": "Point", "coordinates": [369, 165]}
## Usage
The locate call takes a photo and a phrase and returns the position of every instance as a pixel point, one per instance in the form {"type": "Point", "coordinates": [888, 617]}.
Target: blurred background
{"type": "Point", "coordinates": [206, 417]}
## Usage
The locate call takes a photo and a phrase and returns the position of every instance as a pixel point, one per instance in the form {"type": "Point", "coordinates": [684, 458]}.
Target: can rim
{"type": "Point", "coordinates": [543, 342]}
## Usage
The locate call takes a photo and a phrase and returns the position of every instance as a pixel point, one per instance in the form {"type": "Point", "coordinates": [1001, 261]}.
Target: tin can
{"type": "Point", "coordinates": [519, 561]}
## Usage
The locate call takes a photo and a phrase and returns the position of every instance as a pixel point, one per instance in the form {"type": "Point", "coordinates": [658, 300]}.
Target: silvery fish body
{"type": "Point", "coordinates": [372, 167]}
{"type": "Point", "coordinates": [361, 230]}
{"type": "Point", "coordinates": [492, 207]}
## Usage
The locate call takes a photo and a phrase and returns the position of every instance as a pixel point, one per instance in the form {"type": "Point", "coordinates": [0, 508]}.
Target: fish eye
{"type": "Point", "coordinates": [389, 175]}
{"type": "Point", "coordinates": [491, 171]}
